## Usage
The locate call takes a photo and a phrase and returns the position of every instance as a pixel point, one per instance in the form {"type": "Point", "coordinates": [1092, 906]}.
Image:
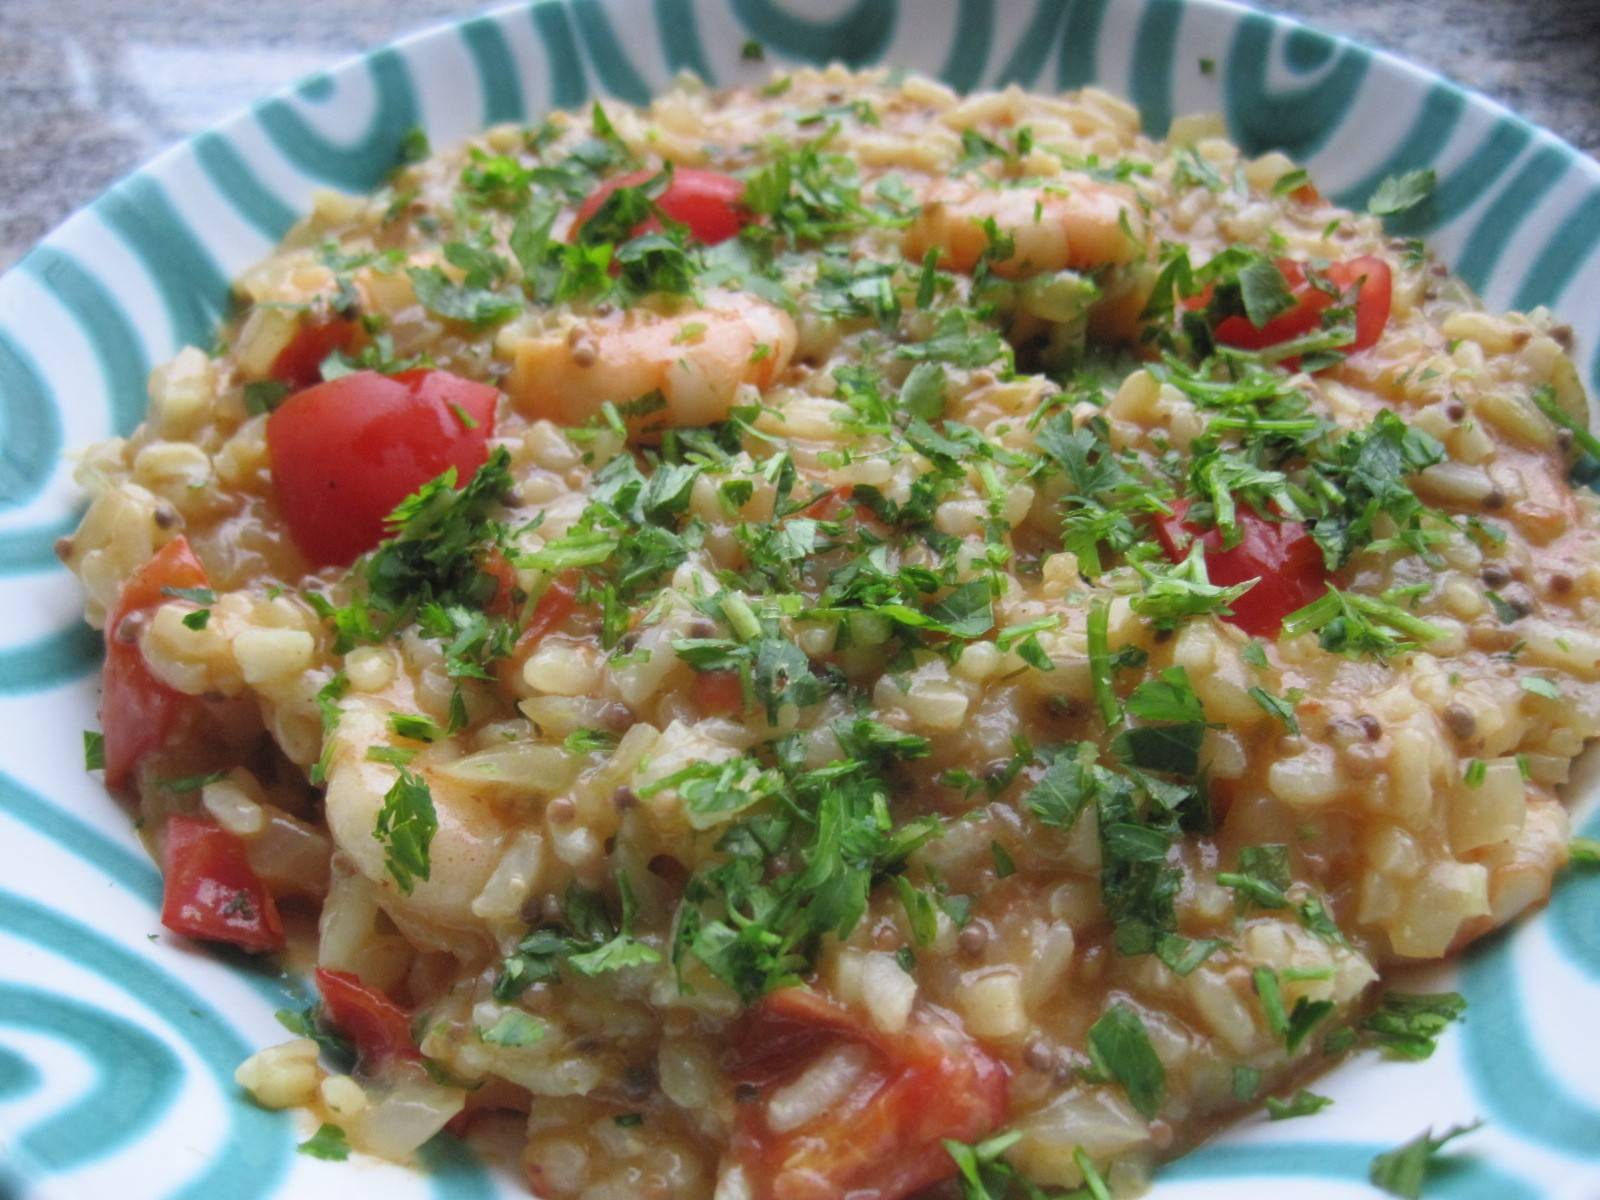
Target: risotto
{"type": "Point", "coordinates": [844, 639]}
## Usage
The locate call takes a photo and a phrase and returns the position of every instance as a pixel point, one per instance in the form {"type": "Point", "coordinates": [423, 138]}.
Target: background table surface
{"type": "Point", "coordinates": [89, 89]}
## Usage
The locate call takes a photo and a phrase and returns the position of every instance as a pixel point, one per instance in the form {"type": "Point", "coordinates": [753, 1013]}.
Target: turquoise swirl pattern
{"type": "Point", "coordinates": [84, 998]}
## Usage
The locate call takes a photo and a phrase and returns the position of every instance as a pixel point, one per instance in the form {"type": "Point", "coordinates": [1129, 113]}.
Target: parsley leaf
{"type": "Point", "coordinates": [1352, 624]}
{"type": "Point", "coordinates": [1066, 786]}
{"type": "Point", "coordinates": [514, 1028]}
{"type": "Point", "coordinates": [1264, 291]}
{"type": "Point", "coordinates": [406, 825]}
{"type": "Point", "coordinates": [1401, 193]}
{"type": "Point", "coordinates": [1407, 1025]}
{"type": "Point", "coordinates": [94, 750]}
{"type": "Point", "coordinates": [984, 1175]}
{"type": "Point", "coordinates": [1301, 1104]}
{"type": "Point", "coordinates": [1402, 1172]}
{"type": "Point", "coordinates": [328, 1143]}
{"type": "Point", "coordinates": [1263, 875]}
{"type": "Point", "coordinates": [1170, 739]}
{"type": "Point", "coordinates": [621, 951]}
{"type": "Point", "coordinates": [476, 305]}
{"type": "Point", "coordinates": [1120, 1049]}
{"type": "Point", "coordinates": [1278, 706]}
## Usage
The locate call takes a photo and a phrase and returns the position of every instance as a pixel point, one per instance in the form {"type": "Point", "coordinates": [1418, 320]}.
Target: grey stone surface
{"type": "Point", "coordinates": [91, 88]}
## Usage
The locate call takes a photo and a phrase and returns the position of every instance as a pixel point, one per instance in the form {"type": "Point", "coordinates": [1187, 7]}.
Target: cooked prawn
{"type": "Point", "coordinates": [1081, 225]}
{"type": "Point", "coordinates": [660, 369]}
{"type": "Point", "coordinates": [464, 849]}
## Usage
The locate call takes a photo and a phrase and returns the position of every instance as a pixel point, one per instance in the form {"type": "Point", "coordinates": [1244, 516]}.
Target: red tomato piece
{"type": "Point", "coordinates": [138, 711]}
{"type": "Point", "coordinates": [1373, 300]}
{"type": "Point", "coordinates": [299, 364]}
{"type": "Point", "coordinates": [553, 607]}
{"type": "Point", "coordinates": [1280, 555]}
{"type": "Point", "coordinates": [210, 891]}
{"type": "Point", "coordinates": [709, 203]}
{"type": "Point", "coordinates": [498, 567]}
{"type": "Point", "coordinates": [1372, 306]}
{"type": "Point", "coordinates": [380, 1028]}
{"type": "Point", "coordinates": [718, 693]}
{"type": "Point", "coordinates": [833, 505]}
{"type": "Point", "coordinates": [345, 452]}
{"type": "Point", "coordinates": [884, 1140]}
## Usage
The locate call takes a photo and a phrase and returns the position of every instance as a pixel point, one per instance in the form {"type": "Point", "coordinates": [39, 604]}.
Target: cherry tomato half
{"type": "Point", "coordinates": [1280, 555]}
{"type": "Point", "coordinates": [209, 890]}
{"type": "Point", "coordinates": [884, 1140]}
{"type": "Point", "coordinates": [345, 452]}
{"type": "Point", "coordinates": [138, 711]}
{"type": "Point", "coordinates": [1372, 306]}
{"type": "Point", "coordinates": [380, 1028]}
{"type": "Point", "coordinates": [708, 202]}
{"type": "Point", "coordinates": [299, 364]}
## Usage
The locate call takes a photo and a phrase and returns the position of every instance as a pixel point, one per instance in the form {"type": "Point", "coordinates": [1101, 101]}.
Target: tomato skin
{"type": "Point", "coordinates": [1374, 299]}
{"type": "Point", "coordinates": [137, 710]}
{"type": "Point", "coordinates": [1372, 306]}
{"type": "Point", "coordinates": [884, 1140]}
{"type": "Point", "coordinates": [210, 891]}
{"type": "Point", "coordinates": [555, 605]}
{"type": "Point", "coordinates": [718, 693]}
{"type": "Point", "coordinates": [1282, 555]}
{"type": "Point", "coordinates": [299, 364]}
{"type": "Point", "coordinates": [345, 452]}
{"type": "Point", "coordinates": [380, 1028]}
{"type": "Point", "coordinates": [710, 203]}
{"type": "Point", "coordinates": [833, 505]}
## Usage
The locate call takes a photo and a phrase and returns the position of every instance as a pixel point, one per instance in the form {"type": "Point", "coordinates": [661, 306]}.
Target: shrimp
{"type": "Point", "coordinates": [659, 369]}
{"type": "Point", "coordinates": [464, 849]}
{"type": "Point", "coordinates": [1080, 225]}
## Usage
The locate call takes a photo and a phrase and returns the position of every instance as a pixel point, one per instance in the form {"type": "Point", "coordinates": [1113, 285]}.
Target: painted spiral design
{"type": "Point", "coordinates": [1515, 211]}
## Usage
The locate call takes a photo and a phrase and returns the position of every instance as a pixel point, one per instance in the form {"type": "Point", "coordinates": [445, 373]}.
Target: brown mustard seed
{"type": "Point", "coordinates": [63, 548]}
{"type": "Point", "coordinates": [638, 1081]}
{"type": "Point", "coordinates": [624, 798]}
{"type": "Point", "coordinates": [1371, 727]}
{"type": "Point", "coordinates": [561, 810]}
{"type": "Point", "coordinates": [165, 517]}
{"type": "Point", "coordinates": [1458, 719]}
{"type": "Point", "coordinates": [1455, 410]}
{"type": "Point", "coordinates": [1560, 583]}
{"type": "Point", "coordinates": [974, 938]}
{"type": "Point", "coordinates": [1495, 575]}
{"type": "Point", "coordinates": [1495, 499]}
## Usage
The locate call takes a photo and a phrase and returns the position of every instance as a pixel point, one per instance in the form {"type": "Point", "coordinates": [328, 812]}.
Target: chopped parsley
{"type": "Point", "coordinates": [1353, 624]}
{"type": "Point", "coordinates": [1407, 1025]}
{"type": "Point", "coordinates": [405, 826]}
{"type": "Point", "coordinates": [328, 1143]}
{"type": "Point", "coordinates": [1120, 1050]}
{"type": "Point", "coordinates": [514, 1028]}
{"type": "Point", "coordinates": [1403, 1171]}
{"type": "Point", "coordinates": [1301, 1104]}
{"type": "Point", "coordinates": [1402, 193]}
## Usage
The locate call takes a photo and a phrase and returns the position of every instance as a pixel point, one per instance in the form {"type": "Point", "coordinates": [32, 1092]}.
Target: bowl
{"type": "Point", "coordinates": [118, 1043]}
